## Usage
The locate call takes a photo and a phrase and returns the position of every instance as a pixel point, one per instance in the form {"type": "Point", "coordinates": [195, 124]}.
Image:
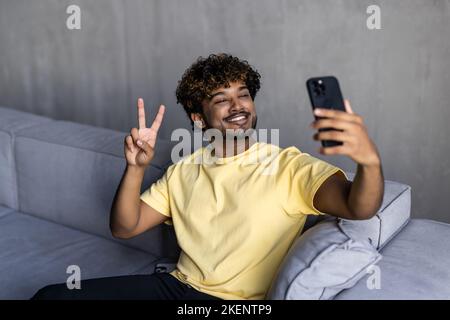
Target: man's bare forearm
{"type": "Point", "coordinates": [125, 208]}
{"type": "Point", "coordinates": [366, 193]}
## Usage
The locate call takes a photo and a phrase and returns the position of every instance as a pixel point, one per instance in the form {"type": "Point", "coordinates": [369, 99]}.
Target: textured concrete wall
{"type": "Point", "coordinates": [396, 77]}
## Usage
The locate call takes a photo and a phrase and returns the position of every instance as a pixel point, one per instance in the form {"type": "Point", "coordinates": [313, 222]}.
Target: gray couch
{"type": "Point", "coordinates": [57, 183]}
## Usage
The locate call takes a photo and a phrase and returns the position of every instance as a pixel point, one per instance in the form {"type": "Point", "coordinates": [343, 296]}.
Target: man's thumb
{"type": "Point", "coordinates": [144, 146]}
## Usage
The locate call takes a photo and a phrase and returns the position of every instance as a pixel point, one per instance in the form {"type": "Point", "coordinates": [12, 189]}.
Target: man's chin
{"type": "Point", "coordinates": [238, 133]}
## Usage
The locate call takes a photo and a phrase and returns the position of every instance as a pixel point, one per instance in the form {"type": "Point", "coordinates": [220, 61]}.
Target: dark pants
{"type": "Point", "coordinates": [156, 286]}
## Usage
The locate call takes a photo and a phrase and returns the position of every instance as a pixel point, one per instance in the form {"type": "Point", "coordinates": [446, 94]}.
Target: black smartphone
{"type": "Point", "coordinates": [324, 92]}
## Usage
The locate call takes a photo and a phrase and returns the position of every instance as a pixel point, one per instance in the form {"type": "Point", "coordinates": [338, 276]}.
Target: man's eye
{"type": "Point", "coordinates": [221, 101]}
{"type": "Point", "coordinates": [244, 95]}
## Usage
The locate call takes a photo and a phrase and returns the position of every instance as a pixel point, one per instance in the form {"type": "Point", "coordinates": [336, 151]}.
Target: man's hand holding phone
{"type": "Point", "coordinates": [353, 133]}
{"type": "Point", "coordinates": [139, 145]}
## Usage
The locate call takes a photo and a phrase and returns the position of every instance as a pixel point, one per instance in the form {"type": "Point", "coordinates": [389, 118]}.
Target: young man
{"type": "Point", "coordinates": [233, 223]}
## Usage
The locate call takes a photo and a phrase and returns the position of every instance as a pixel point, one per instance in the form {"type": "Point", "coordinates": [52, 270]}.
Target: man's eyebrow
{"type": "Point", "coordinates": [221, 92]}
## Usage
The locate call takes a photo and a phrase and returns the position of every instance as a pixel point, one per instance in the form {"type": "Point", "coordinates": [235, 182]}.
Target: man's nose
{"type": "Point", "coordinates": [236, 105]}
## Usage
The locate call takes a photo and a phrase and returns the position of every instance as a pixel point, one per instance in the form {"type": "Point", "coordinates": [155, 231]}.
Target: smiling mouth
{"type": "Point", "coordinates": [238, 119]}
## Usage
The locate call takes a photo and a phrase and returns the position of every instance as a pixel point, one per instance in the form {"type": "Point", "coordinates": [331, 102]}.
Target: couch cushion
{"type": "Point", "coordinates": [5, 210]}
{"type": "Point", "coordinates": [393, 215]}
{"type": "Point", "coordinates": [35, 253]}
{"type": "Point", "coordinates": [12, 121]}
{"type": "Point", "coordinates": [321, 263]}
{"type": "Point", "coordinates": [415, 265]}
{"type": "Point", "coordinates": [68, 173]}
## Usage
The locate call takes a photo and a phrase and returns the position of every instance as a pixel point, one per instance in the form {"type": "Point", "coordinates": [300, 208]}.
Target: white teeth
{"type": "Point", "coordinates": [237, 119]}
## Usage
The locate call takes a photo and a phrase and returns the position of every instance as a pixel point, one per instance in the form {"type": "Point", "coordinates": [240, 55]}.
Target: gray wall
{"type": "Point", "coordinates": [397, 78]}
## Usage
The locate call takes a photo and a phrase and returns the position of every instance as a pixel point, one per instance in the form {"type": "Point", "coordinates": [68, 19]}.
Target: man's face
{"type": "Point", "coordinates": [229, 108]}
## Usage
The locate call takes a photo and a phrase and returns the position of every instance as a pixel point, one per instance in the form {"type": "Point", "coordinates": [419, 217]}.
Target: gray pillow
{"type": "Point", "coordinates": [390, 219]}
{"type": "Point", "coordinates": [387, 223]}
{"type": "Point", "coordinates": [321, 263]}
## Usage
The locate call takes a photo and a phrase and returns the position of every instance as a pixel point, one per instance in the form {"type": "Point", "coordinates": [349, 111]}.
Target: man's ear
{"type": "Point", "coordinates": [198, 119]}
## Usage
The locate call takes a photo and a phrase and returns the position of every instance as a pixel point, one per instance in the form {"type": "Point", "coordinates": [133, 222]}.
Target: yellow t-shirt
{"type": "Point", "coordinates": [235, 219]}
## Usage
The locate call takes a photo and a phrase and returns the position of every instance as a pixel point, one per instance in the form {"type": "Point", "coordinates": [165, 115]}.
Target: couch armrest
{"type": "Point", "coordinates": [393, 215]}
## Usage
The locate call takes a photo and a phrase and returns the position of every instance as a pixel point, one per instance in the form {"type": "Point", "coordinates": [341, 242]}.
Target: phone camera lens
{"type": "Point", "coordinates": [318, 88]}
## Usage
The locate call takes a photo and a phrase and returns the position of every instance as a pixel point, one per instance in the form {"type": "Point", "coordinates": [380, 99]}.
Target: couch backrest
{"type": "Point", "coordinates": [12, 121]}
{"type": "Point", "coordinates": [68, 173]}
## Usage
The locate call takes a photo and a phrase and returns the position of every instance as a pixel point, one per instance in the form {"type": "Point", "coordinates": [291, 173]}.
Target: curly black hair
{"type": "Point", "coordinates": [208, 74]}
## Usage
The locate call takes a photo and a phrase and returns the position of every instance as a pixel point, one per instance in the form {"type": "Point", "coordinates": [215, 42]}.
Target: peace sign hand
{"type": "Point", "coordinates": [140, 143]}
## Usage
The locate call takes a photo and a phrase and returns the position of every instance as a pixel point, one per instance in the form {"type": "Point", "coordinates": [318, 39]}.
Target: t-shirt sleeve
{"type": "Point", "coordinates": [299, 179]}
{"type": "Point", "coordinates": [157, 196]}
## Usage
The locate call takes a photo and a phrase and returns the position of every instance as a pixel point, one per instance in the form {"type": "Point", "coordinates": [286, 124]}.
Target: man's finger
{"type": "Point", "coordinates": [344, 150]}
{"type": "Point", "coordinates": [332, 135]}
{"type": "Point", "coordinates": [141, 113]}
{"type": "Point", "coordinates": [348, 107]}
{"type": "Point", "coordinates": [332, 123]}
{"type": "Point", "coordinates": [158, 119]}
{"type": "Point", "coordinates": [135, 134]}
{"type": "Point", "coordinates": [144, 146]}
{"type": "Point", "coordinates": [129, 142]}
{"type": "Point", "coordinates": [337, 114]}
